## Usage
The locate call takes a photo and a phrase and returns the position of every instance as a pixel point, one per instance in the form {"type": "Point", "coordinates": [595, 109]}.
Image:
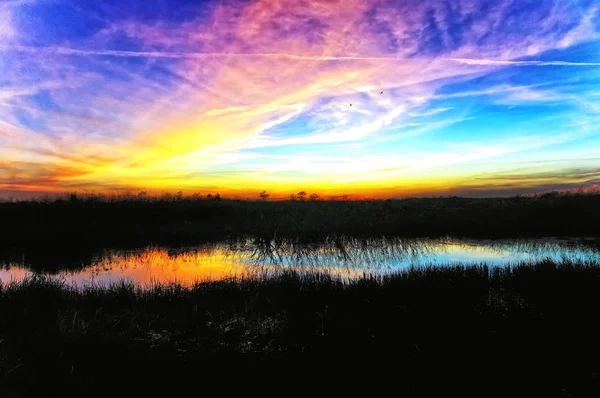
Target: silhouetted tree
{"type": "Point", "coordinates": [179, 195]}
{"type": "Point", "coordinates": [168, 196]}
{"type": "Point", "coordinates": [314, 197]}
{"type": "Point", "coordinates": [209, 196]}
{"type": "Point", "coordinates": [293, 196]}
{"type": "Point", "coordinates": [264, 195]}
{"type": "Point", "coordinates": [301, 195]}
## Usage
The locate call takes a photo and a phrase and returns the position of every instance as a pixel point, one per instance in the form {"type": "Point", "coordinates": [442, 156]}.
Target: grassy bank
{"type": "Point", "coordinates": [531, 329]}
{"type": "Point", "coordinates": [105, 222]}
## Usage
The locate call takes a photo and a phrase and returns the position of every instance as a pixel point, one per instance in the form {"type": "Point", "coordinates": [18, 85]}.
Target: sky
{"type": "Point", "coordinates": [366, 98]}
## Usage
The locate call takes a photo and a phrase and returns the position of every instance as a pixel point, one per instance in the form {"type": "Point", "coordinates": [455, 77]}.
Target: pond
{"type": "Point", "coordinates": [347, 259]}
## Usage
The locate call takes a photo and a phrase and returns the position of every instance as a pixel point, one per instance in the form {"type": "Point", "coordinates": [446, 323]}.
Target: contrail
{"type": "Point", "coordinates": [184, 55]}
{"type": "Point", "coordinates": [493, 62]}
{"type": "Point", "coordinates": [204, 55]}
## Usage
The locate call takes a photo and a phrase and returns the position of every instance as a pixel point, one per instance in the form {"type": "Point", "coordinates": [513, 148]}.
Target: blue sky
{"type": "Point", "coordinates": [366, 98]}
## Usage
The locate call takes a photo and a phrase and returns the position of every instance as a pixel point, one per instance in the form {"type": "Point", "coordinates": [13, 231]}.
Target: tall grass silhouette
{"type": "Point", "coordinates": [532, 325]}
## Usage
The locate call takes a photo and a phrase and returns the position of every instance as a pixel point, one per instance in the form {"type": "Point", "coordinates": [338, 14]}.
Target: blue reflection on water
{"type": "Point", "coordinates": [352, 258]}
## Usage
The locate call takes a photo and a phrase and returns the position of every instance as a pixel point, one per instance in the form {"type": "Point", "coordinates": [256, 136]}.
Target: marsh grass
{"type": "Point", "coordinates": [532, 326]}
{"type": "Point", "coordinates": [93, 221]}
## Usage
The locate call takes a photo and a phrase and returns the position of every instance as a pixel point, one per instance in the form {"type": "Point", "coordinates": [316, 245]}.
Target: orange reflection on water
{"type": "Point", "coordinates": [157, 265]}
{"type": "Point", "coordinates": [13, 273]}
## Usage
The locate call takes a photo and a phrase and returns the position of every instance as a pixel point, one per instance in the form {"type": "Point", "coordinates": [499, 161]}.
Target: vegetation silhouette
{"type": "Point", "coordinates": [264, 195]}
{"type": "Point", "coordinates": [96, 222]}
{"type": "Point", "coordinates": [529, 328]}
{"type": "Point", "coordinates": [301, 196]}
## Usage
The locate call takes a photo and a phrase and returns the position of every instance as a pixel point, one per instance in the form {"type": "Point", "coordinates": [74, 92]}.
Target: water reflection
{"type": "Point", "coordinates": [347, 258]}
{"type": "Point", "coordinates": [381, 254]}
{"type": "Point", "coordinates": [147, 266]}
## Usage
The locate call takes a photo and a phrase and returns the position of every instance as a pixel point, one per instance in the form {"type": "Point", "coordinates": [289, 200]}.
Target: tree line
{"type": "Point", "coordinates": [301, 196]}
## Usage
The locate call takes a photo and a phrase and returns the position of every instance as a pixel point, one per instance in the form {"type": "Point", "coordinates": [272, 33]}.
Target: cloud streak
{"type": "Point", "coordinates": [294, 57]}
{"type": "Point", "coordinates": [493, 62]}
{"type": "Point", "coordinates": [354, 97]}
{"type": "Point", "coordinates": [186, 55]}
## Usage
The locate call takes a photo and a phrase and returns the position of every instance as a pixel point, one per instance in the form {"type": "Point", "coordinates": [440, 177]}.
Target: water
{"type": "Point", "coordinates": [348, 259]}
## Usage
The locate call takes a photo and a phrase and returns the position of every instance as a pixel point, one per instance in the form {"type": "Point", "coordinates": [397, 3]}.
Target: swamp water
{"type": "Point", "coordinates": [350, 259]}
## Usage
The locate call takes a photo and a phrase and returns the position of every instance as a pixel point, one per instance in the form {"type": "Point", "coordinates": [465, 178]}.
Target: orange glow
{"type": "Point", "coordinates": [158, 266]}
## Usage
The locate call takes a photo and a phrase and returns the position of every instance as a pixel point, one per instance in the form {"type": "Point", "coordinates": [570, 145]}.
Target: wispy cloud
{"type": "Point", "coordinates": [7, 30]}
{"type": "Point", "coordinates": [364, 96]}
{"type": "Point", "coordinates": [495, 62]}
{"type": "Point", "coordinates": [187, 55]}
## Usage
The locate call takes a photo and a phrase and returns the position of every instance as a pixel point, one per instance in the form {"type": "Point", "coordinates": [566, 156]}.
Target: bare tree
{"type": "Point", "coordinates": [264, 195]}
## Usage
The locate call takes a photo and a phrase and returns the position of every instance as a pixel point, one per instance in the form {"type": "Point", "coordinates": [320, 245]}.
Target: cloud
{"type": "Point", "coordinates": [184, 55]}
{"type": "Point", "coordinates": [492, 62]}
{"type": "Point", "coordinates": [279, 92]}
{"type": "Point", "coordinates": [585, 30]}
{"type": "Point", "coordinates": [353, 133]}
{"type": "Point", "coordinates": [429, 112]}
{"type": "Point", "coordinates": [7, 29]}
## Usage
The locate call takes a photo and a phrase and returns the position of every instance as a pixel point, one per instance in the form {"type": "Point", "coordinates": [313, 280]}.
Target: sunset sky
{"type": "Point", "coordinates": [355, 97]}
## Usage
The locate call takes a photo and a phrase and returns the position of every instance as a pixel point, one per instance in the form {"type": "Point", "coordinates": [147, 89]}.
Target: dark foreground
{"type": "Point", "coordinates": [529, 331]}
{"type": "Point", "coordinates": [103, 222]}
